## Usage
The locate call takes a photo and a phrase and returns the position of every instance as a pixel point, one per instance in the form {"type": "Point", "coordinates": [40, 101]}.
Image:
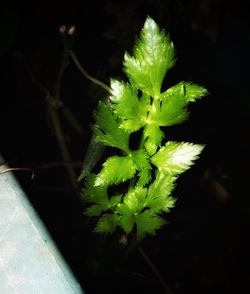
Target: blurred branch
{"type": "Point", "coordinates": [85, 74]}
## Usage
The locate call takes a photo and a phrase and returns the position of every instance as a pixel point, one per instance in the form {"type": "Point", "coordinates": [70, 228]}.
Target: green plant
{"type": "Point", "coordinates": [151, 171]}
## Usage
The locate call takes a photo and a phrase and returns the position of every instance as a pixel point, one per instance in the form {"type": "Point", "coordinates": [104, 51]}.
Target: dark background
{"type": "Point", "coordinates": [205, 246]}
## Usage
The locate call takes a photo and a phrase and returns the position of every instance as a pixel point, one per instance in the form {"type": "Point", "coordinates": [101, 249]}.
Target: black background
{"type": "Point", "coordinates": [205, 246]}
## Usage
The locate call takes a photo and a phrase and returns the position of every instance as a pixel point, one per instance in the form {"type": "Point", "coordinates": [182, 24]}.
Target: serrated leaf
{"type": "Point", "coordinates": [159, 193]}
{"type": "Point", "coordinates": [127, 223]}
{"type": "Point", "coordinates": [152, 135]}
{"type": "Point", "coordinates": [92, 193]}
{"type": "Point", "coordinates": [133, 204]}
{"type": "Point", "coordinates": [142, 162]}
{"type": "Point", "coordinates": [114, 200]}
{"type": "Point", "coordinates": [190, 90]}
{"type": "Point", "coordinates": [173, 109]}
{"type": "Point", "coordinates": [107, 129]}
{"type": "Point", "coordinates": [107, 224]}
{"type": "Point", "coordinates": [147, 223]}
{"type": "Point", "coordinates": [153, 56]}
{"type": "Point", "coordinates": [135, 200]}
{"type": "Point", "coordinates": [176, 157]}
{"type": "Point", "coordinates": [97, 195]}
{"type": "Point", "coordinates": [94, 210]}
{"type": "Point", "coordinates": [116, 170]}
{"type": "Point", "coordinates": [127, 105]}
{"type": "Point", "coordinates": [141, 159]}
{"type": "Point", "coordinates": [144, 177]}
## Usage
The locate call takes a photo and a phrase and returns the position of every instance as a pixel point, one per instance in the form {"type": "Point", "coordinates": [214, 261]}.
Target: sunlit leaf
{"type": "Point", "coordinates": [142, 162]}
{"type": "Point", "coordinates": [92, 193]}
{"type": "Point", "coordinates": [135, 199]}
{"type": "Point", "coordinates": [127, 105]}
{"type": "Point", "coordinates": [116, 170]}
{"type": "Point", "coordinates": [190, 90]}
{"type": "Point", "coordinates": [107, 129]}
{"type": "Point", "coordinates": [159, 193]}
{"type": "Point", "coordinates": [153, 56]}
{"type": "Point", "coordinates": [147, 223]}
{"type": "Point", "coordinates": [153, 136]}
{"type": "Point", "coordinates": [176, 157]}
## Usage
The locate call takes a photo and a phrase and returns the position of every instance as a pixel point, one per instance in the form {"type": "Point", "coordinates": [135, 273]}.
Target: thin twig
{"type": "Point", "coordinates": [156, 272]}
{"type": "Point", "coordinates": [18, 168]}
{"type": "Point", "coordinates": [85, 74]}
{"type": "Point", "coordinates": [62, 144]}
{"type": "Point", "coordinates": [65, 110]}
{"type": "Point", "coordinates": [57, 124]}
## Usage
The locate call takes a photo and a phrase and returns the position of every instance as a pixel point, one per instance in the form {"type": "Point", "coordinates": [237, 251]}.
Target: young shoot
{"type": "Point", "coordinates": [141, 105]}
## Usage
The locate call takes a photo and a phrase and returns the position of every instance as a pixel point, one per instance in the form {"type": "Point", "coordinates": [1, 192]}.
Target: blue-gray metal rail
{"type": "Point", "coordinates": [30, 262]}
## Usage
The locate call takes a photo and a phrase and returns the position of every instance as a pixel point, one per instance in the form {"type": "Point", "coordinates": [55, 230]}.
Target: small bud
{"type": "Point", "coordinates": [62, 29]}
{"type": "Point", "coordinates": [71, 30]}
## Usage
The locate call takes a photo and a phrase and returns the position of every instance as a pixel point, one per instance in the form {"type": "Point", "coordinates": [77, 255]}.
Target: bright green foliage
{"type": "Point", "coordinates": [107, 130]}
{"type": "Point", "coordinates": [152, 56]}
{"type": "Point", "coordinates": [116, 169]}
{"type": "Point", "coordinates": [153, 136]}
{"type": "Point", "coordinates": [159, 193]}
{"type": "Point", "coordinates": [149, 173]}
{"type": "Point", "coordinates": [142, 161]}
{"type": "Point", "coordinates": [98, 197]}
{"type": "Point", "coordinates": [147, 223]}
{"type": "Point", "coordinates": [175, 158]}
{"type": "Point", "coordinates": [126, 104]}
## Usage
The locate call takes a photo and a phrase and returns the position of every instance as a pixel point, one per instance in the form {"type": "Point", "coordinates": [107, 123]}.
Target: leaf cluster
{"type": "Point", "coordinates": [150, 171]}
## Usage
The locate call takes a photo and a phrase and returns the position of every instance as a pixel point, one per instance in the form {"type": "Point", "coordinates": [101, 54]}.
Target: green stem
{"type": "Point", "coordinates": [85, 74]}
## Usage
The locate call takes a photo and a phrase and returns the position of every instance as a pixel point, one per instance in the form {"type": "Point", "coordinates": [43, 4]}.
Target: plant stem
{"type": "Point", "coordinates": [62, 144]}
{"type": "Point", "coordinates": [85, 74]}
{"type": "Point", "coordinates": [57, 124]}
{"type": "Point", "coordinates": [156, 272]}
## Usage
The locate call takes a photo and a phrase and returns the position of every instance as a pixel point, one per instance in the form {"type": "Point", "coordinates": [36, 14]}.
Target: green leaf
{"type": "Point", "coordinates": [94, 210]}
{"type": "Point", "coordinates": [191, 91]}
{"type": "Point", "coordinates": [176, 157]}
{"type": "Point", "coordinates": [142, 162]}
{"type": "Point", "coordinates": [147, 223]}
{"type": "Point", "coordinates": [127, 222]}
{"type": "Point", "coordinates": [116, 170]}
{"type": "Point", "coordinates": [107, 224]}
{"type": "Point", "coordinates": [133, 204]}
{"type": "Point", "coordinates": [173, 109]}
{"type": "Point", "coordinates": [107, 129]}
{"type": "Point", "coordinates": [135, 199]}
{"type": "Point", "coordinates": [127, 105]}
{"type": "Point", "coordinates": [98, 196]}
{"type": "Point", "coordinates": [114, 200]}
{"type": "Point", "coordinates": [159, 193]}
{"type": "Point", "coordinates": [92, 193]}
{"type": "Point", "coordinates": [152, 135]}
{"type": "Point", "coordinates": [144, 177]}
{"type": "Point", "coordinates": [153, 56]}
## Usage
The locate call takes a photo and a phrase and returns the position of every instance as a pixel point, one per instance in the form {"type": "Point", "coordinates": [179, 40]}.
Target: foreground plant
{"type": "Point", "coordinates": [151, 171]}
